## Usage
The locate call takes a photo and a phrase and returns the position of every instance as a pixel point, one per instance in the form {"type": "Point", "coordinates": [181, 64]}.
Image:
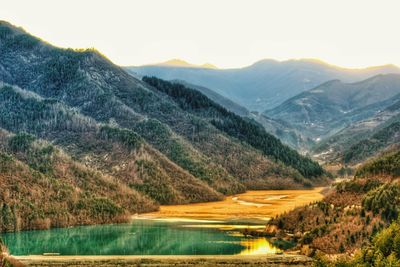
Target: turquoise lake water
{"type": "Point", "coordinates": [141, 237]}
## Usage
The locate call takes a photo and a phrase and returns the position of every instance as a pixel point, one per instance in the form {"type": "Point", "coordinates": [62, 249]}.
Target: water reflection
{"type": "Point", "coordinates": [258, 246]}
{"type": "Point", "coordinates": [141, 237]}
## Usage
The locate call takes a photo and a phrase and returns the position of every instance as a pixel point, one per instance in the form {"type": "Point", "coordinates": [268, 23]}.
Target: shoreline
{"type": "Point", "coordinates": [252, 208]}
{"type": "Point", "coordinates": [219, 260]}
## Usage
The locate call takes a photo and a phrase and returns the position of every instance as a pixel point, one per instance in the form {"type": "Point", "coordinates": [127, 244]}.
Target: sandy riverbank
{"type": "Point", "coordinates": [252, 205]}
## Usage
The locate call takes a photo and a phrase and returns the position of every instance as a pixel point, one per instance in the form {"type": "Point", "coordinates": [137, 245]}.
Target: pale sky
{"type": "Point", "coordinates": [227, 33]}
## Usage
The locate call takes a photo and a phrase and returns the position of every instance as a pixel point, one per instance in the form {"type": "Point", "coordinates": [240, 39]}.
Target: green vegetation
{"type": "Point", "coordinates": [43, 188]}
{"type": "Point", "coordinates": [359, 213]}
{"type": "Point", "coordinates": [368, 147]}
{"type": "Point", "coordinates": [386, 165]}
{"type": "Point", "coordinates": [21, 142]}
{"type": "Point", "coordinates": [358, 186]}
{"type": "Point", "coordinates": [19, 41]}
{"type": "Point", "coordinates": [155, 184]}
{"type": "Point", "coordinates": [384, 249]}
{"type": "Point", "coordinates": [126, 137]}
{"type": "Point", "coordinates": [385, 200]}
{"type": "Point", "coordinates": [345, 171]}
{"type": "Point", "coordinates": [99, 206]}
{"type": "Point", "coordinates": [110, 146]}
{"type": "Point", "coordinates": [62, 68]}
{"type": "Point", "coordinates": [236, 126]}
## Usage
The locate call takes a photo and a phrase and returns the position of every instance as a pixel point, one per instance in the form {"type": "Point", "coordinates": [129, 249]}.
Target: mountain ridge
{"type": "Point", "coordinates": [180, 63]}
{"type": "Point", "coordinates": [334, 104]}
{"type": "Point", "coordinates": [266, 83]}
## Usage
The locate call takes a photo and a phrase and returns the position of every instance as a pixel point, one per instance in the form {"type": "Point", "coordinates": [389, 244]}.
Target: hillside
{"type": "Point", "coordinates": [334, 105]}
{"type": "Point", "coordinates": [115, 151]}
{"type": "Point", "coordinates": [382, 139]}
{"type": "Point", "coordinates": [162, 148]}
{"type": "Point", "coordinates": [282, 130]}
{"type": "Point", "coordinates": [217, 98]}
{"type": "Point", "coordinates": [362, 139]}
{"type": "Point", "coordinates": [236, 126]}
{"type": "Point", "coordinates": [352, 214]}
{"type": "Point", "coordinates": [44, 187]}
{"type": "Point", "coordinates": [265, 84]}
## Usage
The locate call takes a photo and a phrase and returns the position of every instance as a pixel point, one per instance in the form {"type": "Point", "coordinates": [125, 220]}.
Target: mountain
{"type": "Point", "coordinates": [363, 139]}
{"type": "Point", "coordinates": [334, 105]}
{"type": "Point", "coordinates": [265, 84]}
{"type": "Point", "coordinates": [217, 98]}
{"type": "Point", "coordinates": [285, 132]}
{"type": "Point", "coordinates": [279, 129]}
{"type": "Point", "coordinates": [179, 63]}
{"type": "Point", "coordinates": [152, 141]}
{"type": "Point", "coordinates": [235, 126]}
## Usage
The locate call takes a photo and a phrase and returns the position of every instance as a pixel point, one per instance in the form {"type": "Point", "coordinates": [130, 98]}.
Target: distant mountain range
{"type": "Point", "coordinates": [265, 84]}
{"type": "Point", "coordinates": [99, 144]}
{"type": "Point", "coordinates": [348, 122]}
{"type": "Point", "coordinates": [331, 106]}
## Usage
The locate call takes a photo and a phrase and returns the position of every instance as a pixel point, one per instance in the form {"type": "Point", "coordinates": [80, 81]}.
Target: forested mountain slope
{"type": "Point", "coordinates": [236, 126]}
{"type": "Point", "coordinates": [363, 139]}
{"type": "Point", "coordinates": [217, 98]}
{"type": "Point", "coordinates": [279, 129]}
{"type": "Point", "coordinates": [153, 144]}
{"type": "Point", "coordinates": [115, 151]}
{"type": "Point", "coordinates": [43, 187]}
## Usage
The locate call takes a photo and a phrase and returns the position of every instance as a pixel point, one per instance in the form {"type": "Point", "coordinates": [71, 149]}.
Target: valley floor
{"type": "Point", "coordinates": [252, 205]}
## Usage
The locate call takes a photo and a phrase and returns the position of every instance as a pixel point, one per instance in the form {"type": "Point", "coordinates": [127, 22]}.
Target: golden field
{"type": "Point", "coordinates": [252, 205]}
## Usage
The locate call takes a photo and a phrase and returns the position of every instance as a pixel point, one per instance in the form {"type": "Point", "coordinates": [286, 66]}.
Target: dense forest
{"type": "Point", "coordinates": [233, 125]}
{"type": "Point", "coordinates": [380, 140]}
{"type": "Point", "coordinates": [385, 165]}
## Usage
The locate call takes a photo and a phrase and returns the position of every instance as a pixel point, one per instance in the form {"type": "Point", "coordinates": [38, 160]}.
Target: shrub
{"type": "Point", "coordinates": [21, 142]}
{"type": "Point", "coordinates": [126, 137]}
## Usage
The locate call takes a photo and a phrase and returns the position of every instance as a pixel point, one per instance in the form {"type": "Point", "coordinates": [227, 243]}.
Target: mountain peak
{"type": "Point", "coordinates": [176, 62]}
{"type": "Point", "coordinates": [209, 66]}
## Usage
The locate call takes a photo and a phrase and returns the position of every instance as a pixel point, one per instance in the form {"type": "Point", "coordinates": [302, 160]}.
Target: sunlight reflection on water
{"type": "Point", "coordinates": [258, 246]}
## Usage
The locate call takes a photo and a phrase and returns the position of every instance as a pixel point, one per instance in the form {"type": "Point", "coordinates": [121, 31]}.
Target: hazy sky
{"type": "Point", "coordinates": [227, 33]}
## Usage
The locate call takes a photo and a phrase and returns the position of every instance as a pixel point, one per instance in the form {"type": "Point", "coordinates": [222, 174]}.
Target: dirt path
{"type": "Point", "coordinates": [257, 205]}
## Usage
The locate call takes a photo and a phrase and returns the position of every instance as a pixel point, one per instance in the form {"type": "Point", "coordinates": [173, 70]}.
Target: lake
{"type": "Point", "coordinates": [141, 237]}
{"type": "Point", "coordinates": [210, 228]}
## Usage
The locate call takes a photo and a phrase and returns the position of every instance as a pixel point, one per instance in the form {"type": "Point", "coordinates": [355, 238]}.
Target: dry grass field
{"type": "Point", "coordinates": [252, 205]}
